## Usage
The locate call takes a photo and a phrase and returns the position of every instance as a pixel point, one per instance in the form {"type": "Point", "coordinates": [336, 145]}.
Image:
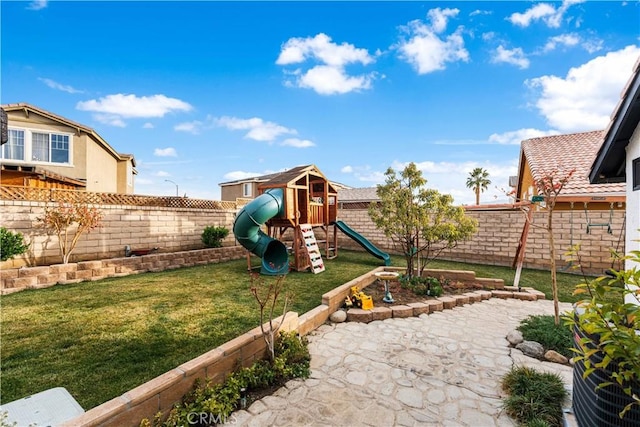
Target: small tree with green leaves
{"type": "Point", "coordinates": [11, 244]}
{"type": "Point", "coordinates": [479, 181]}
{"type": "Point", "coordinates": [420, 221]}
{"type": "Point", "coordinates": [69, 222]}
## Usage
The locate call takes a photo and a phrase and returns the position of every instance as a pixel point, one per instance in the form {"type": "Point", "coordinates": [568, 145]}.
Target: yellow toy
{"type": "Point", "coordinates": [360, 300]}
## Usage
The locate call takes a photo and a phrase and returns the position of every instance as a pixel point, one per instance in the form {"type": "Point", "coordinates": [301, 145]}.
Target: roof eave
{"type": "Point", "coordinates": [607, 166]}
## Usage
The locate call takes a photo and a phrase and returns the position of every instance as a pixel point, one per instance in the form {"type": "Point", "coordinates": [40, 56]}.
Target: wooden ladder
{"type": "Point", "coordinates": [308, 239]}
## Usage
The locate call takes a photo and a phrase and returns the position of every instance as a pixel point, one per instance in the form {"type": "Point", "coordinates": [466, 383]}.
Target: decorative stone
{"type": "Point", "coordinates": [554, 356]}
{"type": "Point", "coordinates": [447, 302]}
{"type": "Point", "coordinates": [402, 311]}
{"type": "Point", "coordinates": [434, 305]}
{"type": "Point", "coordinates": [461, 299]}
{"type": "Point", "coordinates": [484, 295]}
{"type": "Point", "coordinates": [359, 315]}
{"type": "Point", "coordinates": [419, 308]}
{"type": "Point", "coordinates": [531, 349]}
{"type": "Point", "coordinates": [515, 337]}
{"type": "Point", "coordinates": [338, 316]}
{"type": "Point", "coordinates": [473, 297]}
{"type": "Point", "coordinates": [502, 294]}
{"type": "Point", "coordinates": [381, 313]}
{"type": "Point", "coordinates": [525, 296]}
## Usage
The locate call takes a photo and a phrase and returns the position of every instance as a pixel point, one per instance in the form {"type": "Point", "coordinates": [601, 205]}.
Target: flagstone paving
{"type": "Point", "coordinates": [442, 369]}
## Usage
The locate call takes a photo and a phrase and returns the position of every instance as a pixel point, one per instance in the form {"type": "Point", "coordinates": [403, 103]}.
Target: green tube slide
{"type": "Point", "coordinates": [246, 228]}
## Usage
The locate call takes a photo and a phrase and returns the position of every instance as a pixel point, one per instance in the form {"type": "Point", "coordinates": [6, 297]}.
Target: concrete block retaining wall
{"type": "Point", "coordinates": [17, 279]}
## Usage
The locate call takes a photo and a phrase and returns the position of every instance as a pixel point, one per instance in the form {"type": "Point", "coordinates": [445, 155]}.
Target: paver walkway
{"type": "Point", "coordinates": [442, 369]}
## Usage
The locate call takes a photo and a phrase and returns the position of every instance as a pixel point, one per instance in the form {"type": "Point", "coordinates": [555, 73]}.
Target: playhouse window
{"type": "Point", "coordinates": [635, 170]}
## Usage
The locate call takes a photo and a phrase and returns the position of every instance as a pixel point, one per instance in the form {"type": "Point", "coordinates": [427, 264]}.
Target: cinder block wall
{"type": "Point", "coordinates": [141, 227]}
{"type": "Point", "coordinates": [499, 232]}
{"type": "Point", "coordinates": [179, 229]}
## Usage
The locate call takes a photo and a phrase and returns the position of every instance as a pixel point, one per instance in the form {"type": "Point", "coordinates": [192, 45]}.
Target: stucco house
{"type": "Point", "coordinates": [247, 188]}
{"type": "Point", "coordinates": [576, 151]}
{"type": "Point", "coordinates": [618, 160]}
{"type": "Point", "coordinates": [51, 151]}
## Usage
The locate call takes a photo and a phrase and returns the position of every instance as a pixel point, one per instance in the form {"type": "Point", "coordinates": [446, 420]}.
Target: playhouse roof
{"type": "Point", "coordinates": [563, 153]}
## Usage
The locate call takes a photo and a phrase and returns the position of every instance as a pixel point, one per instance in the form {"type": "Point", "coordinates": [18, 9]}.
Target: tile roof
{"type": "Point", "coordinates": [566, 152]}
{"type": "Point", "coordinates": [366, 194]}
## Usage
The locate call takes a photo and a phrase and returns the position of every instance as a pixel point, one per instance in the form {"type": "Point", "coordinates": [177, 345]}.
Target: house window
{"type": "Point", "coordinates": [49, 147]}
{"type": "Point", "coordinates": [26, 145]}
{"type": "Point", "coordinates": [635, 170]}
{"type": "Point", "coordinates": [129, 174]}
{"type": "Point", "coordinates": [246, 189]}
{"type": "Point", "coordinates": [14, 148]}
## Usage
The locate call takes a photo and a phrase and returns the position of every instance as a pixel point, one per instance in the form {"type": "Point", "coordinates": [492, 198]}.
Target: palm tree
{"type": "Point", "coordinates": [479, 181]}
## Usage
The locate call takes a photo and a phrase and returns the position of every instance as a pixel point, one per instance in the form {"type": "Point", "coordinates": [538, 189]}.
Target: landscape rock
{"type": "Point", "coordinates": [515, 337]}
{"type": "Point", "coordinates": [338, 316]}
{"type": "Point", "coordinates": [531, 349]}
{"type": "Point", "coordinates": [554, 356]}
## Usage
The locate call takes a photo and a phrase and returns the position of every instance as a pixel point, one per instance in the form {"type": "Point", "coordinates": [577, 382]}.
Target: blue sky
{"type": "Point", "coordinates": [206, 92]}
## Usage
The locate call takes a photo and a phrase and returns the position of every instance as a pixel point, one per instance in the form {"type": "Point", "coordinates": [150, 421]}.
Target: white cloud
{"type": "Point", "coordinates": [425, 50]}
{"type": "Point", "coordinates": [258, 129]}
{"type": "Point", "coordinates": [450, 178]}
{"type": "Point", "coordinates": [327, 80]}
{"type": "Point", "coordinates": [37, 5]}
{"type": "Point", "coordinates": [193, 127]}
{"type": "Point", "coordinates": [321, 48]}
{"type": "Point", "coordinates": [131, 106]}
{"type": "Point", "coordinates": [143, 181]}
{"type": "Point", "coordinates": [162, 174]}
{"type": "Point", "coordinates": [58, 86]}
{"type": "Point", "coordinates": [545, 12]}
{"type": "Point", "coordinates": [165, 152]}
{"type": "Point", "coordinates": [480, 12]}
{"type": "Point", "coordinates": [585, 98]}
{"type": "Point", "coordinates": [346, 169]}
{"type": "Point", "coordinates": [330, 76]}
{"type": "Point", "coordinates": [148, 125]}
{"type": "Point", "coordinates": [510, 56]}
{"type": "Point", "coordinates": [488, 36]}
{"type": "Point", "coordinates": [298, 143]}
{"type": "Point", "coordinates": [562, 40]}
{"type": "Point", "coordinates": [517, 136]}
{"type": "Point", "coordinates": [110, 119]}
{"type": "Point", "coordinates": [440, 17]}
{"type": "Point", "coordinates": [591, 45]}
{"type": "Point", "coordinates": [235, 175]}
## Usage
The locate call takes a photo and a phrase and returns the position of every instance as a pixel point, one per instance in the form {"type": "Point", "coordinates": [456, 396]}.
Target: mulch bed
{"type": "Point", "coordinates": [405, 296]}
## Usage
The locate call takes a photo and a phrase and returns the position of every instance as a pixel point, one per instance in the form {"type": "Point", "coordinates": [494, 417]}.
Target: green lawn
{"type": "Point", "coordinates": [100, 339]}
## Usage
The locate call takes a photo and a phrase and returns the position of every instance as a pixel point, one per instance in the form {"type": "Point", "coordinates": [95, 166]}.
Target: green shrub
{"type": "Point", "coordinates": [534, 398]}
{"type": "Point", "coordinates": [220, 400]}
{"type": "Point", "coordinates": [422, 285]}
{"type": "Point", "coordinates": [11, 244]}
{"type": "Point", "coordinates": [212, 236]}
{"type": "Point", "coordinates": [544, 330]}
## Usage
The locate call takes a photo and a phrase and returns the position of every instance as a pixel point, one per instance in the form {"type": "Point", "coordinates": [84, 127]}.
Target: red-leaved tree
{"type": "Point", "coordinates": [69, 221]}
{"type": "Point", "coordinates": [549, 185]}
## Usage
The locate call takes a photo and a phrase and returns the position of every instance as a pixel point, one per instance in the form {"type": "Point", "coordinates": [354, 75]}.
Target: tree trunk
{"type": "Point", "coordinates": [477, 195]}
{"type": "Point", "coordinates": [552, 253]}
